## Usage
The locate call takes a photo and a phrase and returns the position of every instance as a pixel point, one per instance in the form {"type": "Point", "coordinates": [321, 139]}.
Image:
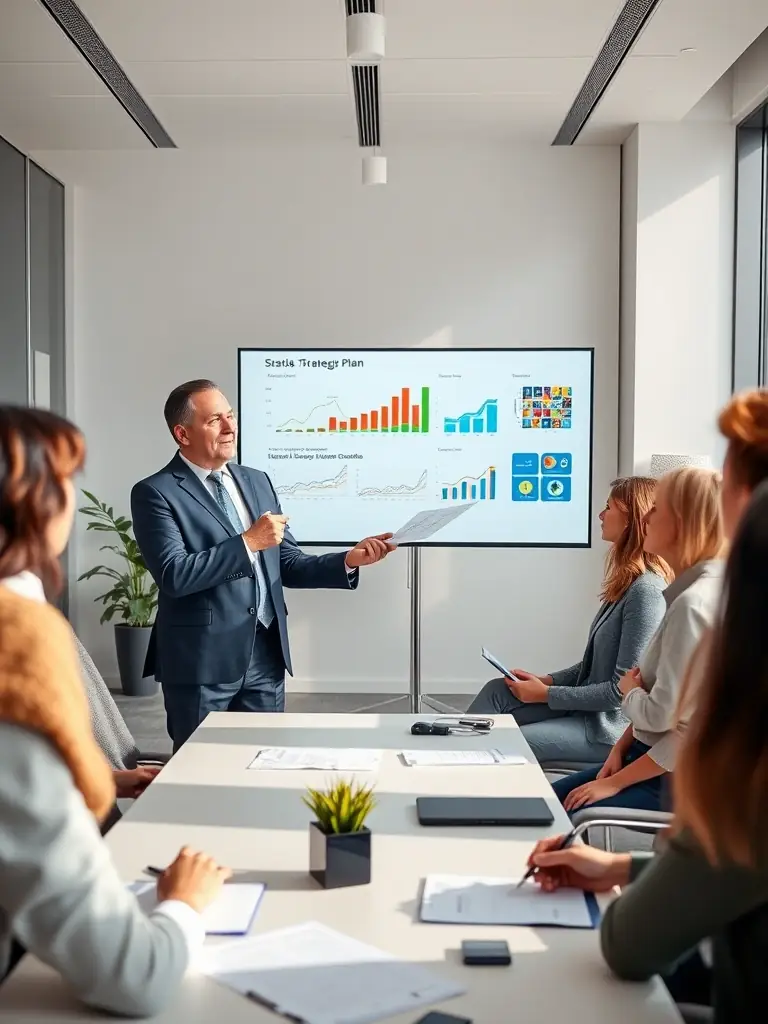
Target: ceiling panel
{"type": "Point", "coordinates": [163, 30]}
{"type": "Point", "coordinates": [36, 81]}
{"type": "Point", "coordinates": [29, 33]}
{"type": "Point", "coordinates": [79, 123]}
{"type": "Point", "coordinates": [521, 75]}
{"type": "Point", "coordinates": [239, 78]}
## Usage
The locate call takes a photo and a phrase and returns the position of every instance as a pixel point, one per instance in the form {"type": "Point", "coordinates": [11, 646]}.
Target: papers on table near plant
{"type": "Point", "coordinates": [328, 759]}
{"type": "Point", "coordinates": [231, 913]}
{"type": "Point", "coordinates": [467, 900]}
{"type": "Point", "coordinates": [316, 975]}
{"type": "Point", "coordinates": [458, 758]}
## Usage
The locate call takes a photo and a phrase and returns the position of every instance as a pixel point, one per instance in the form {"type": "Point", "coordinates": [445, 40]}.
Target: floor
{"type": "Point", "coordinates": [145, 716]}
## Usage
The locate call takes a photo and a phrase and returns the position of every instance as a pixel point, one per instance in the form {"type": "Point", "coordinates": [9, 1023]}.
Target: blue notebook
{"type": "Point", "coordinates": [232, 912]}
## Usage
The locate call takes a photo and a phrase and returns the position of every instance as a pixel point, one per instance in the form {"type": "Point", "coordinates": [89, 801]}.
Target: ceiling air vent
{"type": "Point", "coordinates": [632, 19]}
{"type": "Point", "coordinates": [365, 79]}
{"type": "Point", "coordinates": [84, 36]}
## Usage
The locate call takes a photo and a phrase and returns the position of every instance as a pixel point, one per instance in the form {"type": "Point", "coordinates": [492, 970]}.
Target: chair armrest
{"type": "Point", "coordinates": [624, 817]}
{"type": "Point", "coordinates": [153, 759]}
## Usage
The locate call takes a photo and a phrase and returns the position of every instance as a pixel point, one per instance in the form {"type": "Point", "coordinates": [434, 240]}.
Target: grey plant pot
{"type": "Point", "coordinates": [131, 643]}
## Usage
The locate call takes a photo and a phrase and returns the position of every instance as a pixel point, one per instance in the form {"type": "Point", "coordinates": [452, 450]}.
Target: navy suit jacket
{"type": "Point", "coordinates": [203, 633]}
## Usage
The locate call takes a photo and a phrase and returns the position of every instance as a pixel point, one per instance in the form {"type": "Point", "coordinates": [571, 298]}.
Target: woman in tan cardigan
{"type": "Point", "coordinates": [60, 895]}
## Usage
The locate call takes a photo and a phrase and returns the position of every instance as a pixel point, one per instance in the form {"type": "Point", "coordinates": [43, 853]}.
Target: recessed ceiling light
{"type": "Point", "coordinates": [688, 49]}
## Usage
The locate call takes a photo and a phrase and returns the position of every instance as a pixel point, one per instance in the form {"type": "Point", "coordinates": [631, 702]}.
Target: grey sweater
{"type": "Point", "coordinates": [61, 897]}
{"type": "Point", "coordinates": [617, 638]}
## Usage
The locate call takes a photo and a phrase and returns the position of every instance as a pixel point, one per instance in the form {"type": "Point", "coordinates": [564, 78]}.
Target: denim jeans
{"type": "Point", "coordinates": [642, 796]}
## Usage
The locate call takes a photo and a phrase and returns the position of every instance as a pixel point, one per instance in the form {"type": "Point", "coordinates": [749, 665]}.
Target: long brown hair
{"type": "Point", "coordinates": [721, 777]}
{"type": "Point", "coordinates": [626, 560]}
{"type": "Point", "coordinates": [38, 452]}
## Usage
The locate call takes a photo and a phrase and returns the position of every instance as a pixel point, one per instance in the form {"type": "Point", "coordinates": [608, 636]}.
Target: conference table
{"type": "Point", "coordinates": [255, 821]}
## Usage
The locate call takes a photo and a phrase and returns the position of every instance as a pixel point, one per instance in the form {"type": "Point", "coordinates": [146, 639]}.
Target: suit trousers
{"type": "Point", "coordinates": [551, 735]}
{"type": "Point", "coordinates": [261, 688]}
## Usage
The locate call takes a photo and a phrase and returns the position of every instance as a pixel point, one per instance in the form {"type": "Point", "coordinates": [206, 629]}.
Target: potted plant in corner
{"type": "Point", "coordinates": [132, 596]}
{"type": "Point", "coordinates": [339, 842]}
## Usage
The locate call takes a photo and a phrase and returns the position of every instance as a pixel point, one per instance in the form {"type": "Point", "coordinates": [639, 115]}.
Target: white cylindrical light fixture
{"type": "Point", "coordinates": [374, 169]}
{"type": "Point", "coordinates": [365, 38]}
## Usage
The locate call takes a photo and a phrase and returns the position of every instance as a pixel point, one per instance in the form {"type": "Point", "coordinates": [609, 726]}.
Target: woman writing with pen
{"type": "Point", "coordinates": [711, 881]}
{"type": "Point", "coordinates": [61, 897]}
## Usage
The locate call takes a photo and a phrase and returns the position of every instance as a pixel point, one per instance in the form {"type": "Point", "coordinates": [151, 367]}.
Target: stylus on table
{"type": "Point", "coordinates": [533, 869]}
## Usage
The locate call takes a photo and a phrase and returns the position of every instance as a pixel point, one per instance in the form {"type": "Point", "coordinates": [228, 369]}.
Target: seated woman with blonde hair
{"type": "Point", "coordinates": [684, 528]}
{"type": "Point", "coordinates": [61, 897]}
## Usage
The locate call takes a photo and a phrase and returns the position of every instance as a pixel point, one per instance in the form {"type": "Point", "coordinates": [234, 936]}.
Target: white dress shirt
{"type": "Point", "coordinates": [237, 499]}
{"type": "Point", "coordinates": [26, 584]}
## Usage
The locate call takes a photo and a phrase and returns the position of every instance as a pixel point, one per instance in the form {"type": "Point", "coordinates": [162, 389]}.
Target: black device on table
{"type": "Point", "coordinates": [483, 810]}
{"type": "Point", "coordinates": [485, 953]}
{"type": "Point", "coordinates": [449, 725]}
{"type": "Point", "coordinates": [438, 1017]}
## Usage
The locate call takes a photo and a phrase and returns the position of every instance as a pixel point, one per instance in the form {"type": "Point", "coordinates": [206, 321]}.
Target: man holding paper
{"type": "Point", "coordinates": [216, 542]}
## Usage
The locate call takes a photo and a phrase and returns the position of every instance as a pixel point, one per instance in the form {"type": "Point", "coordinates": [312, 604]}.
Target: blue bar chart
{"type": "Point", "coordinates": [472, 488]}
{"type": "Point", "coordinates": [484, 421]}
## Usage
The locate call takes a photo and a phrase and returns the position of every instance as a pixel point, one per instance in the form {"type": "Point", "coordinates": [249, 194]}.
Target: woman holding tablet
{"type": "Point", "coordinates": [575, 714]}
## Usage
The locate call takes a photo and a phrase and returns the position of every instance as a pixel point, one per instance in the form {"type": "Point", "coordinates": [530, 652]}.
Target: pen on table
{"type": "Point", "coordinates": [157, 872]}
{"type": "Point", "coordinates": [533, 869]}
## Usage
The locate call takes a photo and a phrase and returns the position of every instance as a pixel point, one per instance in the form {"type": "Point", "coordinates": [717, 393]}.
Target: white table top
{"type": "Point", "coordinates": [255, 820]}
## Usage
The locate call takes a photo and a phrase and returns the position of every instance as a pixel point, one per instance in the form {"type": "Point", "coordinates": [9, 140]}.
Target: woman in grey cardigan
{"type": "Point", "coordinates": [685, 528]}
{"type": "Point", "coordinates": [575, 714]}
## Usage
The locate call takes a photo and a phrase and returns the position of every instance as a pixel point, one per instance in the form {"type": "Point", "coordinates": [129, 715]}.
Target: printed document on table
{"type": "Point", "coordinates": [328, 759]}
{"type": "Point", "coordinates": [458, 758]}
{"type": "Point", "coordinates": [231, 913]}
{"type": "Point", "coordinates": [314, 974]}
{"type": "Point", "coordinates": [424, 524]}
{"type": "Point", "coordinates": [463, 899]}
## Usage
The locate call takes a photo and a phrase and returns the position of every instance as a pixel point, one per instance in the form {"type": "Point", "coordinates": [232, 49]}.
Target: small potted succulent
{"type": "Point", "coordinates": [339, 842]}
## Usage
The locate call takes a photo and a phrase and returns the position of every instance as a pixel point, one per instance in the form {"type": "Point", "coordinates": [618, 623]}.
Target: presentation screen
{"type": "Point", "coordinates": [358, 441]}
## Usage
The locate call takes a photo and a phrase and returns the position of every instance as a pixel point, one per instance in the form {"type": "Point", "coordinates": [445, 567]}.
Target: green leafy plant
{"type": "Point", "coordinates": [133, 594]}
{"type": "Point", "coordinates": [341, 808]}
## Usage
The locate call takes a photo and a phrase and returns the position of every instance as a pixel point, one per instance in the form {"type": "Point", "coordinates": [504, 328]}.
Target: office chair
{"type": "Point", "coordinates": [646, 822]}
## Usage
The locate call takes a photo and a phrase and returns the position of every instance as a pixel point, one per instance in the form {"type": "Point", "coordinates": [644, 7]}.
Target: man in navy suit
{"type": "Point", "coordinates": [215, 540]}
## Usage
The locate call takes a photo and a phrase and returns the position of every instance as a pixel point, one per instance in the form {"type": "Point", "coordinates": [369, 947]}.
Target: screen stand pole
{"type": "Point", "coordinates": [414, 583]}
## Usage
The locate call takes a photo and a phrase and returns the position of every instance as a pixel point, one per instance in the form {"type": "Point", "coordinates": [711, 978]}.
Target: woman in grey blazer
{"type": "Point", "coordinates": [575, 714]}
{"type": "Point", "coordinates": [61, 897]}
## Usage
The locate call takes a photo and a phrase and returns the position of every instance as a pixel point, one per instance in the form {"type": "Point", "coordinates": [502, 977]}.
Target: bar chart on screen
{"type": "Point", "coordinates": [406, 412]}
{"type": "Point", "coordinates": [472, 488]}
{"type": "Point", "coordinates": [484, 421]}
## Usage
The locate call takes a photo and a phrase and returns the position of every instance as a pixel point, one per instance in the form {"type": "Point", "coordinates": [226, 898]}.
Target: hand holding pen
{"type": "Point", "coordinates": [555, 863]}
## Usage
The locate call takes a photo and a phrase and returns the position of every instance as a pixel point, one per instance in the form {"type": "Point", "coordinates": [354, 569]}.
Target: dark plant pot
{"type": "Point", "coordinates": [337, 859]}
{"type": "Point", "coordinates": [131, 643]}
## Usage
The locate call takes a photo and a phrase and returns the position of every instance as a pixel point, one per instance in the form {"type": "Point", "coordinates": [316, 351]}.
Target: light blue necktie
{"type": "Point", "coordinates": [264, 610]}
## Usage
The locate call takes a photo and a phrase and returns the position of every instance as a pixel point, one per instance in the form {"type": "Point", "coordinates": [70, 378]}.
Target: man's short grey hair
{"type": "Point", "coordinates": [178, 405]}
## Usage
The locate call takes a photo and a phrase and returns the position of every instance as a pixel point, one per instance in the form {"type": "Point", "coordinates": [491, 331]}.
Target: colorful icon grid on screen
{"type": "Point", "coordinates": [541, 478]}
{"type": "Point", "coordinates": [546, 407]}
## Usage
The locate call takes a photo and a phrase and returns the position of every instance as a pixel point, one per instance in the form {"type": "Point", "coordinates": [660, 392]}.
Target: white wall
{"type": "Point", "coordinates": [677, 289]}
{"type": "Point", "coordinates": [182, 257]}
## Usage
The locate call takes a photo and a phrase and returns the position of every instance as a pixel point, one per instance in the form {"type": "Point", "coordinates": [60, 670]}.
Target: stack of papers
{"type": "Point", "coordinates": [462, 899]}
{"type": "Point", "coordinates": [313, 974]}
{"type": "Point", "coordinates": [327, 759]}
{"type": "Point", "coordinates": [231, 913]}
{"type": "Point", "coordinates": [458, 758]}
